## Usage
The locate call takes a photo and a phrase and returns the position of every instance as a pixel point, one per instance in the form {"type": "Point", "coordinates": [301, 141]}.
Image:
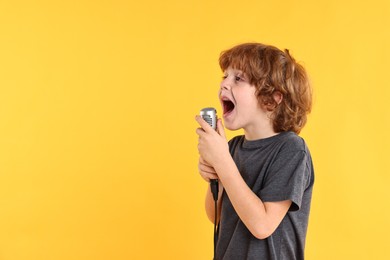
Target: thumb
{"type": "Point", "coordinates": [220, 128]}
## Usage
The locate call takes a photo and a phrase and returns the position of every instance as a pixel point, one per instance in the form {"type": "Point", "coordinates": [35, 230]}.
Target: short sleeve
{"type": "Point", "coordinates": [287, 178]}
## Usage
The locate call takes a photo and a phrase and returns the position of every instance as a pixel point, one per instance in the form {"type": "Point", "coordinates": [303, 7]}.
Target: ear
{"type": "Point", "coordinates": [277, 96]}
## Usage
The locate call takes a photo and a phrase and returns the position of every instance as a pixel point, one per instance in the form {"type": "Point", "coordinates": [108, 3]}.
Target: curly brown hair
{"type": "Point", "coordinates": [272, 71]}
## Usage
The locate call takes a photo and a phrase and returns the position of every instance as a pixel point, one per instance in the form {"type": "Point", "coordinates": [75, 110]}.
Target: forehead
{"type": "Point", "coordinates": [232, 70]}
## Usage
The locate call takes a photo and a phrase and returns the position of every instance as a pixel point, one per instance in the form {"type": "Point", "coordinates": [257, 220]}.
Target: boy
{"type": "Point", "coordinates": [266, 176]}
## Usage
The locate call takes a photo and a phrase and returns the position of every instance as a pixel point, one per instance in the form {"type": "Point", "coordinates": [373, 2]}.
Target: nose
{"type": "Point", "coordinates": [225, 84]}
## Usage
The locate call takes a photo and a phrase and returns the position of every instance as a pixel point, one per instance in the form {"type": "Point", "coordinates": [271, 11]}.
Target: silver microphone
{"type": "Point", "coordinates": [209, 114]}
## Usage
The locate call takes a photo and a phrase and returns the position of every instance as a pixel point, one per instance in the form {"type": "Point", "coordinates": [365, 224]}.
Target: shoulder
{"type": "Point", "coordinates": [294, 148]}
{"type": "Point", "coordinates": [291, 142]}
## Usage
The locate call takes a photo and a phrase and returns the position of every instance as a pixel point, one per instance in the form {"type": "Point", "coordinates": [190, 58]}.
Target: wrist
{"type": "Point", "coordinates": [223, 166]}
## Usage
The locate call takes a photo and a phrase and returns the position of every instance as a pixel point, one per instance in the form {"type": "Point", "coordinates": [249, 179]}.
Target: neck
{"type": "Point", "coordinates": [259, 131]}
{"type": "Point", "coordinates": [259, 135]}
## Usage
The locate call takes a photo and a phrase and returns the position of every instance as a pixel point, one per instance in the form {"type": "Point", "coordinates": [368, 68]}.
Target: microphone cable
{"type": "Point", "coordinates": [214, 190]}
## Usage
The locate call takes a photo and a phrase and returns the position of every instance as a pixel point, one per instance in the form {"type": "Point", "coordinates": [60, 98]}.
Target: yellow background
{"type": "Point", "coordinates": [98, 155]}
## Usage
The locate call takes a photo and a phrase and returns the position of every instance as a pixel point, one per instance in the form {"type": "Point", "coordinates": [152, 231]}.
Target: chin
{"type": "Point", "coordinates": [231, 126]}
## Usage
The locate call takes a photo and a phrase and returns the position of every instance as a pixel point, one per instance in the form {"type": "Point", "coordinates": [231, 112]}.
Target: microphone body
{"type": "Point", "coordinates": [209, 114]}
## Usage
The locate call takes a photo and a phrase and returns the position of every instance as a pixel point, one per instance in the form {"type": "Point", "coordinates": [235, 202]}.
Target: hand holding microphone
{"type": "Point", "coordinates": [212, 145]}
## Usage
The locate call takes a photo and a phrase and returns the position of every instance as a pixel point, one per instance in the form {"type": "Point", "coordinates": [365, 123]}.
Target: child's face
{"type": "Point", "coordinates": [241, 108]}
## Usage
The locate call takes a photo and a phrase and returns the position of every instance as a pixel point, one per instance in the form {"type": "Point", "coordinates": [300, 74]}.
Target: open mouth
{"type": "Point", "coordinates": [228, 106]}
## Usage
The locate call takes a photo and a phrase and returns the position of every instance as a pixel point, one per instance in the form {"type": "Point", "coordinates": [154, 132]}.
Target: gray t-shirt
{"type": "Point", "coordinates": [276, 168]}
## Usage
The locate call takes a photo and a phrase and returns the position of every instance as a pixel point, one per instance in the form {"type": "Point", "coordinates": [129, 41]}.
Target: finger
{"type": "Point", "coordinates": [212, 177]}
{"type": "Point", "coordinates": [205, 168]}
{"type": "Point", "coordinates": [202, 161]}
{"type": "Point", "coordinates": [207, 176]}
{"type": "Point", "coordinates": [200, 132]}
{"type": "Point", "coordinates": [205, 126]}
{"type": "Point", "coordinates": [220, 128]}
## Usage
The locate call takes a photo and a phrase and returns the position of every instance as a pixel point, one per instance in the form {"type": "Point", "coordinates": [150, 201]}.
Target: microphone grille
{"type": "Point", "coordinates": [209, 114]}
{"type": "Point", "coordinates": [208, 119]}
